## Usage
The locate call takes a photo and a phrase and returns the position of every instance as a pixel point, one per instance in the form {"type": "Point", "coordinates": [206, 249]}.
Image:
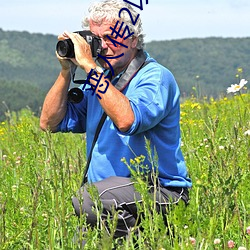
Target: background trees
{"type": "Point", "coordinates": [202, 67]}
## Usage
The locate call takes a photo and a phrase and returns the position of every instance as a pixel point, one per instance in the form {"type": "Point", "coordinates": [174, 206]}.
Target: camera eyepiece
{"type": "Point", "coordinates": [65, 48]}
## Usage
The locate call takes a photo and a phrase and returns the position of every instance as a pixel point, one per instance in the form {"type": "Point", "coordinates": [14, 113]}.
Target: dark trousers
{"type": "Point", "coordinates": [119, 194]}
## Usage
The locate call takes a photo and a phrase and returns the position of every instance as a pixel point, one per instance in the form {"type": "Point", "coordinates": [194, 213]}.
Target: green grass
{"type": "Point", "coordinates": [40, 172]}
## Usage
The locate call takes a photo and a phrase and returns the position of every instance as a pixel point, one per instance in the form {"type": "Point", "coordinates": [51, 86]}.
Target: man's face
{"type": "Point", "coordinates": [110, 50]}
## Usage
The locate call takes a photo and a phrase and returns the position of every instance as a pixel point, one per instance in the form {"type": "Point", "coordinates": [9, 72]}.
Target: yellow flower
{"type": "Point", "coordinates": [132, 162]}
{"type": "Point", "coordinates": [138, 160]}
{"type": "Point", "coordinates": [240, 70]}
{"type": "Point", "coordinates": [195, 105]}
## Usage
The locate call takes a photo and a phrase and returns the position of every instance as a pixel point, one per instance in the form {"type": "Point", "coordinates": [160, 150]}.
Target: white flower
{"type": "Point", "coordinates": [217, 241]}
{"type": "Point", "coordinates": [192, 240]}
{"type": "Point", "coordinates": [237, 87]}
{"type": "Point", "coordinates": [242, 248]}
{"type": "Point", "coordinates": [247, 133]}
{"type": "Point", "coordinates": [22, 210]}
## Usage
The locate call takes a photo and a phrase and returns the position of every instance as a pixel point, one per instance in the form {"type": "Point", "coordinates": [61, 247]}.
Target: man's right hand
{"type": "Point", "coordinates": [66, 63]}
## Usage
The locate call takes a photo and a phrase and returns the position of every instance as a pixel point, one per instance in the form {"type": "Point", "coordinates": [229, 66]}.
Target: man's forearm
{"type": "Point", "coordinates": [55, 103]}
{"type": "Point", "coordinates": [117, 107]}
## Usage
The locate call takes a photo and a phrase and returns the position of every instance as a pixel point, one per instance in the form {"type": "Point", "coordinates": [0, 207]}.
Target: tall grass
{"type": "Point", "coordinates": [40, 172]}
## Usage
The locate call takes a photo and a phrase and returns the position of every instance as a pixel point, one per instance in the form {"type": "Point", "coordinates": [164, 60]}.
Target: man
{"type": "Point", "coordinates": [144, 106]}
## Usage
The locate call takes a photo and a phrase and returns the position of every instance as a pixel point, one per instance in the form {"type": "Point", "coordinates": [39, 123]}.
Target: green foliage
{"type": "Point", "coordinates": [14, 95]}
{"type": "Point", "coordinates": [203, 67]}
{"type": "Point", "coordinates": [28, 58]}
{"type": "Point", "coordinates": [36, 184]}
{"type": "Point", "coordinates": [28, 68]}
{"type": "Point", "coordinates": [40, 172]}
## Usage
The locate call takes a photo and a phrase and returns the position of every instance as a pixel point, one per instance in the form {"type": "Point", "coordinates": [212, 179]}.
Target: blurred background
{"type": "Point", "coordinates": [205, 43]}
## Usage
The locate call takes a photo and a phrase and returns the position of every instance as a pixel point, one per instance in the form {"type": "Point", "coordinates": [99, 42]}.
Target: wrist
{"type": "Point", "coordinates": [65, 73]}
{"type": "Point", "coordinates": [97, 70]}
{"type": "Point", "coordinates": [87, 65]}
{"type": "Point", "coordinates": [90, 67]}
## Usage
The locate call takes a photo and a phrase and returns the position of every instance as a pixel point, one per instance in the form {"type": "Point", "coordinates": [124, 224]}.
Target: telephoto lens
{"type": "Point", "coordinates": [65, 48]}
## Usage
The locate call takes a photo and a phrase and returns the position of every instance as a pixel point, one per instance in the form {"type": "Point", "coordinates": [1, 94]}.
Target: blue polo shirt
{"type": "Point", "coordinates": [154, 97]}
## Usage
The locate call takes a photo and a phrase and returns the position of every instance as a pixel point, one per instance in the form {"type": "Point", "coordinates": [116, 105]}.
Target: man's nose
{"type": "Point", "coordinates": [104, 44]}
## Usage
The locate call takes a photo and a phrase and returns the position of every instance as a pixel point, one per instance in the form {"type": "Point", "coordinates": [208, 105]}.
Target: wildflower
{"type": "Point", "coordinates": [230, 244]}
{"type": "Point", "coordinates": [45, 216]}
{"type": "Point", "coordinates": [221, 147]}
{"type": "Point", "coordinates": [132, 162]}
{"type": "Point", "coordinates": [195, 106]}
{"type": "Point", "coordinates": [198, 182]}
{"type": "Point", "coordinates": [14, 188]}
{"type": "Point", "coordinates": [192, 240]}
{"type": "Point", "coordinates": [137, 159]}
{"type": "Point", "coordinates": [247, 133]}
{"type": "Point", "coordinates": [240, 70]}
{"type": "Point", "coordinates": [22, 210]}
{"type": "Point", "coordinates": [242, 248]}
{"type": "Point", "coordinates": [216, 241]}
{"type": "Point", "coordinates": [248, 230]}
{"type": "Point", "coordinates": [237, 87]}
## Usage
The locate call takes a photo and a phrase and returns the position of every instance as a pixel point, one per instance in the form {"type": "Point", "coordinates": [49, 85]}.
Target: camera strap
{"type": "Point", "coordinates": [136, 64]}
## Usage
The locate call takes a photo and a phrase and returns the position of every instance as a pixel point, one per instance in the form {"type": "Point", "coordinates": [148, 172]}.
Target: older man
{"type": "Point", "coordinates": [141, 103]}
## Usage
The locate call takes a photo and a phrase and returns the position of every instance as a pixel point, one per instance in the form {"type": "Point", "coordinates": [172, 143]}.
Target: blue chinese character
{"type": "Point", "coordinates": [137, 6]}
{"type": "Point", "coordinates": [120, 29]}
{"type": "Point", "coordinates": [94, 87]}
{"type": "Point", "coordinates": [106, 88]}
{"type": "Point", "coordinates": [106, 60]}
{"type": "Point", "coordinates": [131, 17]}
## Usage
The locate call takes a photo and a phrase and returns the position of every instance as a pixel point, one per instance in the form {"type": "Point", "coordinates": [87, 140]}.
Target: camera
{"type": "Point", "coordinates": [65, 48]}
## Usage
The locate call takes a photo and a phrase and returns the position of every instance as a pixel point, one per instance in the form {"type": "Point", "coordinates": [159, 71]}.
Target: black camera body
{"type": "Point", "coordinates": [65, 48]}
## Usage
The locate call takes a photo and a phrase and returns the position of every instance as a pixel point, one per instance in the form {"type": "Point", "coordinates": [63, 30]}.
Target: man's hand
{"type": "Point", "coordinates": [83, 54]}
{"type": "Point", "coordinates": [66, 63]}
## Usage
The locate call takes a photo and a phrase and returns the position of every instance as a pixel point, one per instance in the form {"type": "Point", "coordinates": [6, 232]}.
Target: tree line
{"type": "Point", "coordinates": [202, 67]}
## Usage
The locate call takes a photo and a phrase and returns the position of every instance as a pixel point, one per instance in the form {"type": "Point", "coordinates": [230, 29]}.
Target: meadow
{"type": "Point", "coordinates": [40, 172]}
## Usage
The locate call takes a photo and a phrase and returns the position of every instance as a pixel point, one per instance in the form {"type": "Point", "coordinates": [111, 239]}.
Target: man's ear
{"type": "Point", "coordinates": [134, 42]}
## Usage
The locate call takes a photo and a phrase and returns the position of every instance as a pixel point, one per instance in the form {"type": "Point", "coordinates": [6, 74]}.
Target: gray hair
{"type": "Point", "coordinates": [109, 10]}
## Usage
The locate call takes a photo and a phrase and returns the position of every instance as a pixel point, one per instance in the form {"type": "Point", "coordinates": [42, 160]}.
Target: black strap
{"type": "Point", "coordinates": [97, 132]}
{"type": "Point", "coordinates": [137, 63]}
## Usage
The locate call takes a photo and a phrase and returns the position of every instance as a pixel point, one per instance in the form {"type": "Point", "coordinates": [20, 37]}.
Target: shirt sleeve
{"type": "Point", "coordinates": [75, 117]}
{"type": "Point", "coordinates": [152, 98]}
